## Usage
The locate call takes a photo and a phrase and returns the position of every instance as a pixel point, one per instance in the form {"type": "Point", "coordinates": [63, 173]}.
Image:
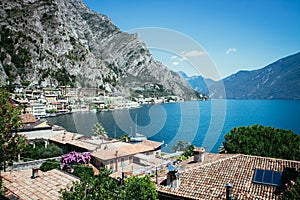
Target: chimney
{"type": "Point", "coordinates": [199, 154]}
{"type": "Point", "coordinates": [173, 177]}
{"type": "Point", "coordinates": [35, 171]}
{"type": "Point", "coordinates": [229, 191]}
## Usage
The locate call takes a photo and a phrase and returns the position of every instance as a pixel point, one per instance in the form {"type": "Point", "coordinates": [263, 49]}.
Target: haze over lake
{"type": "Point", "coordinates": [203, 123]}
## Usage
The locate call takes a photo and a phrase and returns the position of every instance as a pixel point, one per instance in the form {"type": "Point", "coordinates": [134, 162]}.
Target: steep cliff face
{"type": "Point", "coordinates": [60, 42]}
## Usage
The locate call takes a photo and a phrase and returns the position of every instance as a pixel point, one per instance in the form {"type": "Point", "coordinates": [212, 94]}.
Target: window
{"type": "Point", "coordinates": [267, 177]}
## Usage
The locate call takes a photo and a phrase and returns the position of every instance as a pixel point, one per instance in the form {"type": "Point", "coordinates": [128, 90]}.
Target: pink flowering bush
{"type": "Point", "coordinates": [292, 190]}
{"type": "Point", "coordinates": [74, 158]}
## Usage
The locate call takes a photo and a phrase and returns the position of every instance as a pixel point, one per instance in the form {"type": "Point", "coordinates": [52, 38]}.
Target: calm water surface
{"type": "Point", "coordinates": [203, 123]}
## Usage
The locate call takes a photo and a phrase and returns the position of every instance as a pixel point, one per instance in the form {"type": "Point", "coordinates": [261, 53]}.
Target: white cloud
{"type": "Point", "coordinates": [193, 53]}
{"type": "Point", "coordinates": [173, 57]}
{"type": "Point", "coordinates": [183, 58]}
{"type": "Point", "coordinates": [230, 50]}
{"type": "Point", "coordinates": [175, 63]}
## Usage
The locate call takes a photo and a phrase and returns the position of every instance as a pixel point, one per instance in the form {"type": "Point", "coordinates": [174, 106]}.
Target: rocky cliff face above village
{"type": "Point", "coordinates": [62, 42]}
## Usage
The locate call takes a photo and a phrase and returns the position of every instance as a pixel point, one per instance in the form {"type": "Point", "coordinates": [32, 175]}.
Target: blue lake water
{"type": "Point", "coordinates": [203, 123]}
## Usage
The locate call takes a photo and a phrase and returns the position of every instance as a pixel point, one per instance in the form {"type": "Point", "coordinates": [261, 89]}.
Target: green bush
{"type": "Point", "coordinates": [40, 152]}
{"type": "Point", "coordinates": [51, 151]}
{"type": "Point", "coordinates": [83, 171]}
{"type": "Point", "coordinates": [292, 190]}
{"type": "Point", "coordinates": [49, 165]}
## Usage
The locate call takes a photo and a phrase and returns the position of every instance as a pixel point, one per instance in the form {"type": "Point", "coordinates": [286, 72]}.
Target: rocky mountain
{"type": "Point", "coordinates": [60, 42]}
{"type": "Point", "coordinates": [279, 80]}
{"type": "Point", "coordinates": [198, 83]}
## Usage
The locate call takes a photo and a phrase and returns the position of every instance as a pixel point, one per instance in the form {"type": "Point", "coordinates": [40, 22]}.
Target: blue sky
{"type": "Point", "coordinates": [236, 34]}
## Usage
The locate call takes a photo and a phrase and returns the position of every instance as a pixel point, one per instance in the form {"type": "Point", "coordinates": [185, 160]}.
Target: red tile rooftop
{"type": "Point", "coordinates": [207, 180]}
{"type": "Point", "coordinates": [47, 185]}
{"type": "Point", "coordinates": [131, 149]}
{"type": "Point", "coordinates": [73, 139]}
{"type": "Point", "coordinates": [28, 118]}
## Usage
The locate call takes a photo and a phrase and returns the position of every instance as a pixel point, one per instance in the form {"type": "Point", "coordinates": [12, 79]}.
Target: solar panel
{"type": "Point", "coordinates": [267, 177]}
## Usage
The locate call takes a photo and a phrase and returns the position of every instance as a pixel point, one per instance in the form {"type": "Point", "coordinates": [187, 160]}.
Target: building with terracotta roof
{"type": "Point", "coordinates": [36, 130]}
{"type": "Point", "coordinates": [68, 142]}
{"type": "Point", "coordinates": [22, 185]}
{"type": "Point", "coordinates": [28, 118]}
{"type": "Point", "coordinates": [247, 177]}
{"type": "Point", "coordinates": [117, 157]}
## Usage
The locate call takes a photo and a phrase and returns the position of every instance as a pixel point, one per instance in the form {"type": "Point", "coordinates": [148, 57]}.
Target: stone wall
{"type": "Point", "coordinates": [29, 164]}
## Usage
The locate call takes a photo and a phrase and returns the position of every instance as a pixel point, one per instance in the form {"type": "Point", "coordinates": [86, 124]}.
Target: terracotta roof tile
{"type": "Point", "coordinates": [47, 185]}
{"type": "Point", "coordinates": [207, 180]}
{"type": "Point", "coordinates": [132, 149]}
{"type": "Point", "coordinates": [151, 143]}
{"type": "Point", "coordinates": [73, 139]}
{"type": "Point", "coordinates": [28, 118]}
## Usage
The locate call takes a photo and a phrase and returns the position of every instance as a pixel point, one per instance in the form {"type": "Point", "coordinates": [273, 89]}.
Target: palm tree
{"type": "Point", "coordinates": [99, 131]}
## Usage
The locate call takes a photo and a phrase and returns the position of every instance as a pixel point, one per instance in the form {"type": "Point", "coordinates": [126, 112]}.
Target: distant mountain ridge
{"type": "Point", "coordinates": [279, 80]}
{"type": "Point", "coordinates": [198, 83]}
{"type": "Point", "coordinates": [61, 42]}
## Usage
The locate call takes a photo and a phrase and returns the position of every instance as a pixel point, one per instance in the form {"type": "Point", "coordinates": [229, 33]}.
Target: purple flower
{"type": "Point", "coordinates": [292, 182]}
{"type": "Point", "coordinates": [74, 158]}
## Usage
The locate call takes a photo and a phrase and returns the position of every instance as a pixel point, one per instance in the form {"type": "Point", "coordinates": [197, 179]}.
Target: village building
{"type": "Point", "coordinates": [36, 109]}
{"type": "Point", "coordinates": [227, 176]}
{"type": "Point", "coordinates": [37, 130]}
{"type": "Point", "coordinates": [51, 98]}
{"type": "Point", "coordinates": [123, 155]}
{"type": "Point", "coordinates": [34, 184]}
{"type": "Point", "coordinates": [68, 142]}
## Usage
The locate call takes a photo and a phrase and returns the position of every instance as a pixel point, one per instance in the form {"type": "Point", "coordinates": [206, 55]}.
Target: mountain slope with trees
{"type": "Point", "coordinates": [279, 80]}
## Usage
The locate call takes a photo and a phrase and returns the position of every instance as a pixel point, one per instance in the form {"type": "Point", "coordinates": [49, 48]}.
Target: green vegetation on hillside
{"type": "Point", "coordinates": [262, 141]}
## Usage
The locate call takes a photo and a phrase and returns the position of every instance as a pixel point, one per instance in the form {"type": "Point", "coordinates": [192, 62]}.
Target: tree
{"type": "Point", "coordinates": [140, 188]}
{"type": "Point", "coordinates": [98, 130]}
{"type": "Point", "coordinates": [187, 148]}
{"type": "Point", "coordinates": [125, 138]}
{"type": "Point", "coordinates": [262, 141]}
{"type": "Point", "coordinates": [179, 146]}
{"type": "Point", "coordinates": [11, 143]}
{"type": "Point", "coordinates": [103, 186]}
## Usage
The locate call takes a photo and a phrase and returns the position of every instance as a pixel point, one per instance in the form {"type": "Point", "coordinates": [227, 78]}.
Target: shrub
{"type": "Point", "coordinates": [51, 151]}
{"type": "Point", "coordinates": [83, 171]}
{"type": "Point", "coordinates": [49, 165]}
